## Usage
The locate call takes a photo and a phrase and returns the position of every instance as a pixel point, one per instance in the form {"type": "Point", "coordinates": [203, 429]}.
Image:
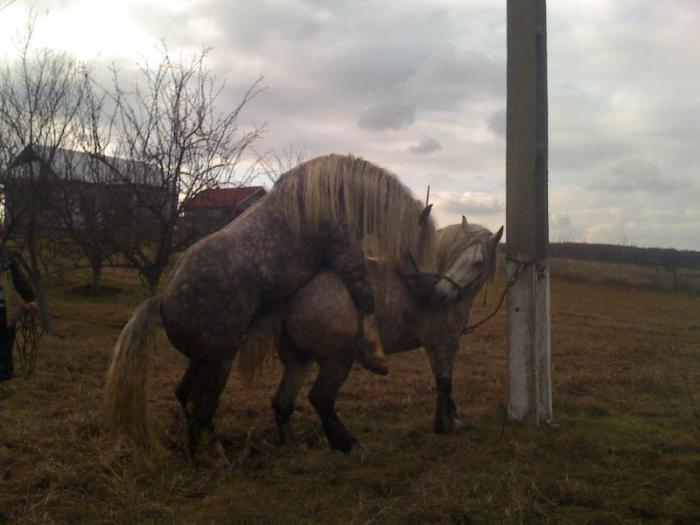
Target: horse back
{"type": "Point", "coordinates": [223, 280]}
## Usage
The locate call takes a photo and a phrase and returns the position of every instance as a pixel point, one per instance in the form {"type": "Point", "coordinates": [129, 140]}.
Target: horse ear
{"type": "Point", "coordinates": [425, 214]}
{"type": "Point", "coordinates": [498, 235]}
{"type": "Point", "coordinates": [465, 224]}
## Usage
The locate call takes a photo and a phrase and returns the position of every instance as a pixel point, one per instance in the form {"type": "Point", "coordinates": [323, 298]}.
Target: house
{"type": "Point", "coordinates": [57, 188]}
{"type": "Point", "coordinates": [214, 208]}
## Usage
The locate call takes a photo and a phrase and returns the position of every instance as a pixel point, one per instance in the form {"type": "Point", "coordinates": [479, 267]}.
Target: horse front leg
{"type": "Point", "coordinates": [331, 376]}
{"type": "Point", "coordinates": [442, 358]}
{"type": "Point", "coordinates": [296, 367]}
{"type": "Point", "coordinates": [347, 258]}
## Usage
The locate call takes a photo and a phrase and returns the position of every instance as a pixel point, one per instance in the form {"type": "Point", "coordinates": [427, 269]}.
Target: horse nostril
{"type": "Point", "coordinates": [441, 294]}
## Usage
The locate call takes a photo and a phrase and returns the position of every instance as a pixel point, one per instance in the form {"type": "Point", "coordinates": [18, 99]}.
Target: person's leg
{"type": "Point", "coordinates": [347, 258]}
{"type": "Point", "coordinates": [7, 340]}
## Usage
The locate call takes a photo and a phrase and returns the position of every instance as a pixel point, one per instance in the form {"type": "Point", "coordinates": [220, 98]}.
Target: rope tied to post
{"type": "Point", "coordinates": [509, 284]}
{"type": "Point", "coordinates": [29, 333]}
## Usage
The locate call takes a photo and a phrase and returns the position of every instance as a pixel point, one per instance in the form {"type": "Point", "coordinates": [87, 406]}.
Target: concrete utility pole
{"type": "Point", "coordinates": [527, 229]}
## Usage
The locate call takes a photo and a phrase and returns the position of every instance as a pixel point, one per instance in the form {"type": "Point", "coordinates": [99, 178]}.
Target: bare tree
{"type": "Point", "coordinates": [170, 140]}
{"type": "Point", "coordinates": [81, 201]}
{"type": "Point", "coordinates": [272, 164]}
{"type": "Point", "coordinates": [90, 193]}
{"type": "Point", "coordinates": [42, 92]}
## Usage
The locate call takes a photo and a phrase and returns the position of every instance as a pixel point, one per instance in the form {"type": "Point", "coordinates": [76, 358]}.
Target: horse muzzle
{"type": "Point", "coordinates": [448, 290]}
{"type": "Point", "coordinates": [445, 292]}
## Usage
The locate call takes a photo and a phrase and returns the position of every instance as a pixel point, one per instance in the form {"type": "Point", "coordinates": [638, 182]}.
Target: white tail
{"type": "Point", "coordinates": [124, 404]}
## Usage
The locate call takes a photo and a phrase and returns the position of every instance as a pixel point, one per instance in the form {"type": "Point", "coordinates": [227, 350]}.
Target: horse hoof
{"type": "Point", "coordinates": [371, 360]}
{"type": "Point", "coordinates": [375, 366]}
{"type": "Point", "coordinates": [346, 445]}
{"type": "Point", "coordinates": [445, 427]}
{"type": "Point", "coordinates": [208, 451]}
{"type": "Point", "coordinates": [212, 458]}
{"type": "Point", "coordinates": [286, 437]}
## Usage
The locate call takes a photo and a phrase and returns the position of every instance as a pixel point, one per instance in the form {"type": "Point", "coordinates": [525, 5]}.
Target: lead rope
{"type": "Point", "coordinates": [516, 274]}
{"type": "Point", "coordinates": [29, 332]}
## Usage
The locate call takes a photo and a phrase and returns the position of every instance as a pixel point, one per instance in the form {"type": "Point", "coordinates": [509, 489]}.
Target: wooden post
{"type": "Point", "coordinates": [529, 364]}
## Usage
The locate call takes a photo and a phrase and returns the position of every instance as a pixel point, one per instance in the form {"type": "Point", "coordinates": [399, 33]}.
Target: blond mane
{"type": "Point", "coordinates": [452, 241]}
{"type": "Point", "coordinates": [370, 200]}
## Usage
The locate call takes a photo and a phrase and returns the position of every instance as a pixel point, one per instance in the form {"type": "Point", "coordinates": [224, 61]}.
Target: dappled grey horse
{"type": "Point", "coordinates": [313, 219]}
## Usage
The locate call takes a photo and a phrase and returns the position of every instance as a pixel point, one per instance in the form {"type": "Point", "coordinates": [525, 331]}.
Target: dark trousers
{"type": "Point", "coordinates": [7, 341]}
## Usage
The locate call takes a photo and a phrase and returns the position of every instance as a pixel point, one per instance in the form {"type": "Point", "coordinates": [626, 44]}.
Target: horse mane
{"type": "Point", "coordinates": [453, 241]}
{"type": "Point", "coordinates": [370, 200]}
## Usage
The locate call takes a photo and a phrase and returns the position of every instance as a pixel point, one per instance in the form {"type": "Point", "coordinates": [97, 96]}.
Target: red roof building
{"type": "Point", "coordinates": [226, 197]}
{"type": "Point", "coordinates": [212, 209]}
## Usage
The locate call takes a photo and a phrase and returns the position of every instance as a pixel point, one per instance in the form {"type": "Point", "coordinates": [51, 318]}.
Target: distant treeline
{"type": "Point", "coordinates": [618, 254]}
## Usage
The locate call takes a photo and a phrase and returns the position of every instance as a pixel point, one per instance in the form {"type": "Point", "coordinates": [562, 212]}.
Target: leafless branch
{"type": "Point", "coordinates": [178, 142]}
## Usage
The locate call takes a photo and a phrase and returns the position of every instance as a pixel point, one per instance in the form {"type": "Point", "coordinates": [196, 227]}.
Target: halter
{"type": "Point", "coordinates": [454, 283]}
{"type": "Point", "coordinates": [438, 276]}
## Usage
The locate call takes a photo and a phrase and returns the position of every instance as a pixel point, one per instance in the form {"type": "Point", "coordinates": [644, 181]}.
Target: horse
{"type": "Point", "coordinates": [317, 324]}
{"type": "Point", "coordinates": [314, 218]}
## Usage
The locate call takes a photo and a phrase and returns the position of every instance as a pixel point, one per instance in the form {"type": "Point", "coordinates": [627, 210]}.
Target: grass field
{"type": "Point", "coordinates": [625, 446]}
{"type": "Point", "coordinates": [679, 279]}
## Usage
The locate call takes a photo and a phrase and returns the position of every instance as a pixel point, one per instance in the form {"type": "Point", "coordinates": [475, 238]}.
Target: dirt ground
{"type": "Point", "coordinates": [624, 447]}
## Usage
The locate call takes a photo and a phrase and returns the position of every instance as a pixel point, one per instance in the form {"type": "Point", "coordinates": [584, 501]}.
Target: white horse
{"type": "Point", "coordinates": [319, 323]}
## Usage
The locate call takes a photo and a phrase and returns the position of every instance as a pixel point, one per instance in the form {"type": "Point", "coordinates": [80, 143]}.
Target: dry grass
{"type": "Point", "coordinates": [625, 447]}
{"type": "Point", "coordinates": [680, 279]}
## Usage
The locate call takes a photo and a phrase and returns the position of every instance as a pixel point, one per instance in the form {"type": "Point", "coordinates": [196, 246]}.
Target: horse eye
{"type": "Point", "coordinates": [478, 263]}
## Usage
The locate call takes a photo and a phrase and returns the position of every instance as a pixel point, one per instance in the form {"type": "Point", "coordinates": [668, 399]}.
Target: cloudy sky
{"type": "Point", "coordinates": [418, 87]}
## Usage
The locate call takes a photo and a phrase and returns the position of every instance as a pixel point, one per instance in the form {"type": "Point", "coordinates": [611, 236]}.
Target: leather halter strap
{"type": "Point", "coordinates": [417, 271]}
{"type": "Point", "coordinates": [452, 282]}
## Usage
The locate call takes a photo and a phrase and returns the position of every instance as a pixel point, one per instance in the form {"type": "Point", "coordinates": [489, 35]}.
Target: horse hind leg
{"type": "Point", "coordinates": [296, 367]}
{"type": "Point", "coordinates": [184, 387]}
{"type": "Point", "coordinates": [331, 376]}
{"type": "Point", "coordinates": [207, 385]}
{"type": "Point", "coordinates": [347, 259]}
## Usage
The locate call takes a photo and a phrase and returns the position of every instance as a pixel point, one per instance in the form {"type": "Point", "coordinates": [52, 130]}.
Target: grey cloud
{"type": "Point", "coordinates": [248, 26]}
{"type": "Point", "coordinates": [570, 150]}
{"type": "Point", "coordinates": [497, 122]}
{"type": "Point", "coordinates": [671, 120]}
{"type": "Point", "coordinates": [426, 145]}
{"type": "Point", "coordinates": [468, 203]}
{"type": "Point", "coordinates": [314, 53]}
{"type": "Point", "coordinates": [639, 175]}
{"type": "Point", "coordinates": [366, 68]}
{"type": "Point", "coordinates": [389, 115]}
{"type": "Point", "coordinates": [611, 217]}
{"type": "Point", "coordinates": [451, 77]}
{"type": "Point", "coordinates": [444, 81]}
{"type": "Point", "coordinates": [560, 220]}
{"type": "Point", "coordinates": [621, 88]}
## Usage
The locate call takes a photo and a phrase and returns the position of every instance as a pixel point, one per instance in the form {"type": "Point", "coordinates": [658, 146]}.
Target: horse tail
{"type": "Point", "coordinates": [259, 347]}
{"type": "Point", "coordinates": [124, 404]}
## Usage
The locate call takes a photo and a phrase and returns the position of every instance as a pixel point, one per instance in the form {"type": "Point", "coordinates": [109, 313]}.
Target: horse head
{"type": "Point", "coordinates": [466, 263]}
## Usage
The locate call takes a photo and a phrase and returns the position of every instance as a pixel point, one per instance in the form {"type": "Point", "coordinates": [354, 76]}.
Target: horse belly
{"type": "Point", "coordinates": [396, 317]}
{"type": "Point", "coordinates": [321, 318]}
